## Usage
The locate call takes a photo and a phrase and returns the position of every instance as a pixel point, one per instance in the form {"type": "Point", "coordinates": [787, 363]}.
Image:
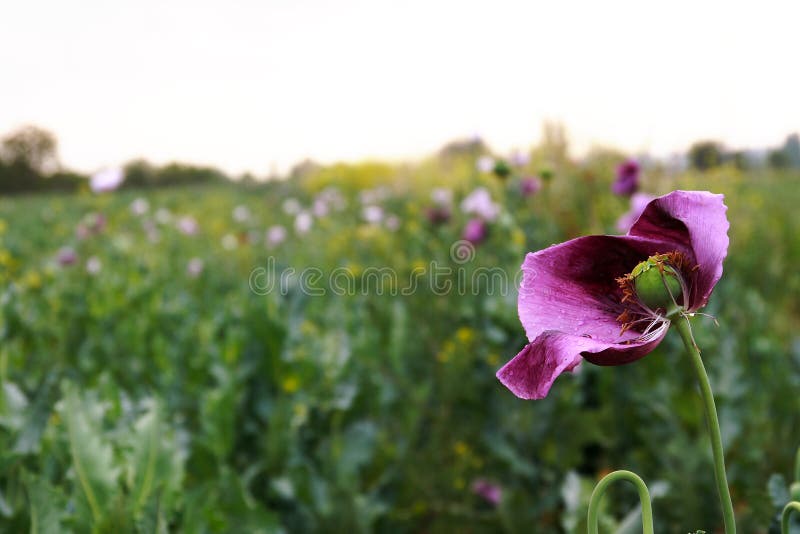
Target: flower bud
{"type": "Point", "coordinates": [794, 491]}
{"type": "Point", "coordinates": [657, 284]}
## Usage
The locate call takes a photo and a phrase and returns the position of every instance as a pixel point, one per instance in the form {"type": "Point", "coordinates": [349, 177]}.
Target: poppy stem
{"type": "Point", "coordinates": [599, 490]}
{"type": "Point", "coordinates": [793, 506]}
{"type": "Point", "coordinates": [685, 330]}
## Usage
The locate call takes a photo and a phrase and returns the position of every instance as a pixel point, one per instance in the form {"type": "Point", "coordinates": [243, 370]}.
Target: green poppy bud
{"type": "Point", "coordinates": [501, 169]}
{"type": "Point", "coordinates": [794, 491]}
{"type": "Point", "coordinates": [657, 284]}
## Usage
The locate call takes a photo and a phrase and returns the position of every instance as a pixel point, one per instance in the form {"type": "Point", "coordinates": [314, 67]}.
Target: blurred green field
{"type": "Point", "coordinates": [150, 394]}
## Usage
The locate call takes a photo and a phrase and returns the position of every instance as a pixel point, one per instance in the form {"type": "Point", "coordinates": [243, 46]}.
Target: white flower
{"type": "Point", "coordinates": [479, 203]}
{"type": "Point", "coordinates": [106, 180]}
{"type": "Point", "coordinates": [241, 214]}
{"type": "Point", "coordinates": [163, 216]}
{"type": "Point", "coordinates": [276, 235]}
{"type": "Point", "coordinates": [93, 265]}
{"type": "Point", "coordinates": [485, 163]}
{"type": "Point", "coordinates": [229, 241]}
{"type": "Point", "coordinates": [291, 206]}
{"type": "Point", "coordinates": [303, 222]}
{"type": "Point", "coordinates": [372, 214]}
{"type": "Point", "coordinates": [139, 206]}
{"type": "Point", "coordinates": [188, 225]}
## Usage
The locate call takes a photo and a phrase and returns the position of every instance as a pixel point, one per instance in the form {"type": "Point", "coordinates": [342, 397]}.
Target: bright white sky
{"type": "Point", "coordinates": [252, 85]}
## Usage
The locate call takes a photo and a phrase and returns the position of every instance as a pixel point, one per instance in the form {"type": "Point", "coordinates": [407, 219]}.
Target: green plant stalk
{"type": "Point", "coordinates": [599, 490]}
{"type": "Point", "coordinates": [793, 506]}
{"type": "Point", "coordinates": [685, 330]}
{"type": "Point", "coordinates": [797, 466]}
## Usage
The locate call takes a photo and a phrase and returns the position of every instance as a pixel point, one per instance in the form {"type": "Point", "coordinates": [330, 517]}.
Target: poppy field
{"type": "Point", "coordinates": [318, 354]}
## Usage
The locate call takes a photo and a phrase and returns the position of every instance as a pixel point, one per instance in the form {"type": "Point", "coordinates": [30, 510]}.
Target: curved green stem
{"type": "Point", "coordinates": [797, 466]}
{"type": "Point", "coordinates": [793, 506]}
{"type": "Point", "coordinates": [685, 330]}
{"type": "Point", "coordinates": [644, 497]}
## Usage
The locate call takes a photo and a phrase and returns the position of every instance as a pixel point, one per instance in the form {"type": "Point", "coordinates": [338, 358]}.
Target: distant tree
{"type": "Point", "coordinates": [792, 149]}
{"type": "Point", "coordinates": [32, 147]}
{"type": "Point", "coordinates": [777, 159]}
{"type": "Point", "coordinates": [469, 147]}
{"type": "Point", "coordinates": [705, 155]}
{"type": "Point", "coordinates": [139, 173]}
{"type": "Point", "coordinates": [740, 160]}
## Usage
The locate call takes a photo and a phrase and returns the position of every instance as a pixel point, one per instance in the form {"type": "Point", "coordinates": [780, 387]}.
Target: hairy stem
{"type": "Point", "coordinates": [684, 329]}
{"type": "Point", "coordinates": [644, 497]}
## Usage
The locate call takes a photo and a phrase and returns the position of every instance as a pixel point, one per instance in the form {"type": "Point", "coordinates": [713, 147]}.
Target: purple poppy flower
{"type": "Point", "coordinates": [490, 492]}
{"type": "Point", "coordinates": [577, 300]}
{"type": "Point", "coordinates": [639, 202]}
{"type": "Point", "coordinates": [627, 181]}
{"type": "Point", "coordinates": [475, 231]}
{"type": "Point", "coordinates": [66, 256]}
{"type": "Point", "coordinates": [437, 214]}
{"type": "Point", "coordinates": [530, 185]}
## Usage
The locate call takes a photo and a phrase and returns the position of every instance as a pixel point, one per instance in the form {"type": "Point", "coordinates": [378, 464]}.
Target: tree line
{"type": "Point", "coordinates": [29, 162]}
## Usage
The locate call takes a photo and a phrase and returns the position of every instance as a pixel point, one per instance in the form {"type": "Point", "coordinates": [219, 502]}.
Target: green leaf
{"type": "Point", "coordinates": [46, 507]}
{"type": "Point", "coordinates": [92, 458]}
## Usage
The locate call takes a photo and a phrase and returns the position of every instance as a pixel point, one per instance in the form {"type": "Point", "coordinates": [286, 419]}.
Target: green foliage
{"type": "Point", "coordinates": [145, 399]}
{"type": "Point", "coordinates": [705, 155]}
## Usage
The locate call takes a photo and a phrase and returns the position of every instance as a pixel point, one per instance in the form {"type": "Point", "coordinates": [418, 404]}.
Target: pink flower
{"type": "Point", "coordinates": [303, 222]}
{"type": "Point", "coordinates": [475, 231]}
{"type": "Point", "coordinates": [627, 181]}
{"type": "Point", "coordinates": [195, 267]}
{"type": "Point", "coordinates": [479, 203]}
{"type": "Point", "coordinates": [276, 235]}
{"type": "Point", "coordinates": [188, 225]}
{"type": "Point", "coordinates": [578, 300]}
{"type": "Point", "coordinates": [489, 491]}
{"type": "Point", "coordinates": [66, 256]}
{"type": "Point", "coordinates": [530, 185]}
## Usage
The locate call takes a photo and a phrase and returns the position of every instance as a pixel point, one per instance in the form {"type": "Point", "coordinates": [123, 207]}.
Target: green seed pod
{"type": "Point", "coordinates": [657, 284]}
{"type": "Point", "coordinates": [794, 491]}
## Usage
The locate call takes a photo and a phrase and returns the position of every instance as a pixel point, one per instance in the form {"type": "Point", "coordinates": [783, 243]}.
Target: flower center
{"type": "Point", "coordinates": [653, 292]}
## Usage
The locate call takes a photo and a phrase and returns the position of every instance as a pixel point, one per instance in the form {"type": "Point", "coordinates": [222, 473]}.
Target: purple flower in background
{"type": "Point", "coordinates": [188, 225]}
{"type": "Point", "coordinates": [627, 181]}
{"type": "Point", "coordinates": [519, 158]}
{"type": "Point", "coordinates": [195, 267]}
{"type": "Point", "coordinates": [106, 180]}
{"type": "Point", "coordinates": [276, 235]}
{"type": "Point", "coordinates": [530, 185]}
{"type": "Point", "coordinates": [489, 491]}
{"type": "Point", "coordinates": [639, 202]}
{"type": "Point", "coordinates": [437, 214]}
{"type": "Point", "coordinates": [578, 300]}
{"type": "Point", "coordinates": [479, 203]}
{"type": "Point", "coordinates": [475, 231]}
{"type": "Point", "coordinates": [66, 256]}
